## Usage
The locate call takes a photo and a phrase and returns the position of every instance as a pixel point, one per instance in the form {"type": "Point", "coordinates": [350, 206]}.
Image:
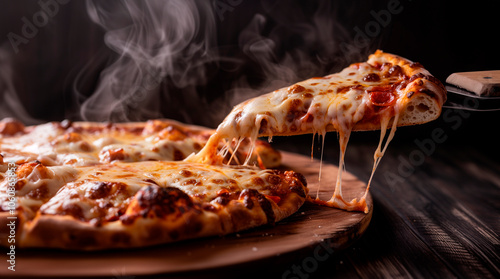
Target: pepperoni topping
{"type": "Point", "coordinates": [382, 97]}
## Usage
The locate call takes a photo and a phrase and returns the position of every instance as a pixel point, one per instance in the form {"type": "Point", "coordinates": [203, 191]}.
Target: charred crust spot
{"type": "Point", "coordinates": [222, 200]}
{"type": "Point", "coordinates": [297, 182]}
{"type": "Point", "coordinates": [162, 201]}
{"type": "Point", "coordinates": [224, 196]}
{"type": "Point", "coordinates": [10, 127]}
{"type": "Point", "coordinates": [409, 94]}
{"type": "Point", "coordinates": [266, 205]}
{"type": "Point", "coordinates": [372, 77]}
{"type": "Point", "coordinates": [249, 196]}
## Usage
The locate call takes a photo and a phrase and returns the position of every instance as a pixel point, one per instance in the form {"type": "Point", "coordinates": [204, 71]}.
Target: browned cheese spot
{"type": "Point", "coordinates": [296, 89]}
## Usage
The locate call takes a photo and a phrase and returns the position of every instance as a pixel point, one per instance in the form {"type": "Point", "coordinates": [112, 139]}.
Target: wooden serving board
{"type": "Point", "coordinates": [309, 227]}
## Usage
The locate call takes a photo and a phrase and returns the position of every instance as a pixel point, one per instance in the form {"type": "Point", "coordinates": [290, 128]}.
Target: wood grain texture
{"type": "Point", "coordinates": [437, 211]}
{"type": "Point", "coordinates": [313, 226]}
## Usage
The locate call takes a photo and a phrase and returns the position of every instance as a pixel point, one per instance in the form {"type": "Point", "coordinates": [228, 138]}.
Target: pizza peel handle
{"type": "Point", "coordinates": [482, 83]}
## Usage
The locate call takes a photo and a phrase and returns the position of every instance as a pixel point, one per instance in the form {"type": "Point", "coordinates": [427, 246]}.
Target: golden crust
{"type": "Point", "coordinates": [66, 232]}
{"type": "Point", "coordinates": [360, 97]}
{"type": "Point", "coordinates": [424, 94]}
{"type": "Point", "coordinates": [66, 225]}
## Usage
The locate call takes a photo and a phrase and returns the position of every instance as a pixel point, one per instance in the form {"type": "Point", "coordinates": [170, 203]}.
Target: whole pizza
{"type": "Point", "coordinates": [91, 186]}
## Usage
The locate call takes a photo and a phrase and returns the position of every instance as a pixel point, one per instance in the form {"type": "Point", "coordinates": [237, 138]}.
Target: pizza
{"type": "Point", "coordinates": [384, 92]}
{"type": "Point", "coordinates": [124, 205]}
{"type": "Point", "coordinates": [90, 186]}
{"type": "Point", "coordinates": [90, 143]}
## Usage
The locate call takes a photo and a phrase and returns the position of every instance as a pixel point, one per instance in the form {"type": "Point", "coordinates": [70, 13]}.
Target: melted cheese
{"type": "Point", "coordinates": [200, 181]}
{"type": "Point", "coordinates": [333, 103]}
{"type": "Point", "coordinates": [53, 145]}
{"type": "Point", "coordinates": [33, 190]}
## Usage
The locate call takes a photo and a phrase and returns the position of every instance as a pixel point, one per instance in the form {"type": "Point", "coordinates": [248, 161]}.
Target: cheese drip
{"type": "Point", "coordinates": [337, 200]}
{"type": "Point", "coordinates": [337, 102]}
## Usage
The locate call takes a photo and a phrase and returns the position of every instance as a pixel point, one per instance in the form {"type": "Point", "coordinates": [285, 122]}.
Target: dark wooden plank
{"type": "Point", "coordinates": [436, 201]}
{"type": "Point", "coordinates": [436, 211]}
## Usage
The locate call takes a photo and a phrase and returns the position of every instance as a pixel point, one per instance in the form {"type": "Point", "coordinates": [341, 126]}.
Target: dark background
{"type": "Point", "coordinates": [254, 47]}
{"type": "Point", "coordinates": [265, 41]}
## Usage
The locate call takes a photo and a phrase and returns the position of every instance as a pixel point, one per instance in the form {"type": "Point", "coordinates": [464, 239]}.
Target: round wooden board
{"type": "Point", "coordinates": [310, 226]}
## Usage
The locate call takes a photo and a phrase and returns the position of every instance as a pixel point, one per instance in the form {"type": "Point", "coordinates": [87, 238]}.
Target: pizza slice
{"type": "Point", "coordinates": [123, 205]}
{"type": "Point", "coordinates": [384, 92]}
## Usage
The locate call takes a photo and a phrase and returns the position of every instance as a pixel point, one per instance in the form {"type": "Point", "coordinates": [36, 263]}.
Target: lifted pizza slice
{"type": "Point", "coordinates": [384, 92]}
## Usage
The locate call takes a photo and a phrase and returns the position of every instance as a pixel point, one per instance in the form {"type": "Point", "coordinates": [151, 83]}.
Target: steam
{"type": "Point", "coordinates": [11, 104]}
{"type": "Point", "coordinates": [167, 56]}
{"type": "Point", "coordinates": [155, 40]}
{"type": "Point", "coordinates": [298, 46]}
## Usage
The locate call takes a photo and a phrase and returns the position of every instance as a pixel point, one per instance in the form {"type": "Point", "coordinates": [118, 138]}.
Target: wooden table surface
{"type": "Point", "coordinates": [436, 198]}
{"type": "Point", "coordinates": [436, 205]}
{"type": "Point", "coordinates": [436, 202]}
